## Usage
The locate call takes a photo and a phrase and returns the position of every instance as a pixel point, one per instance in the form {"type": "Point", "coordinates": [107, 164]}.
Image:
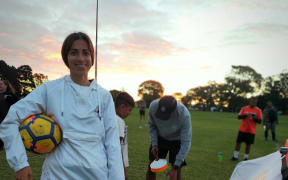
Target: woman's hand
{"type": "Point", "coordinates": [24, 174]}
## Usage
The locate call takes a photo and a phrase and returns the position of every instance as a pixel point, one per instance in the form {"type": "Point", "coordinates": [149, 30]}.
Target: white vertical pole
{"type": "Point", "coordinates": [96, 44]}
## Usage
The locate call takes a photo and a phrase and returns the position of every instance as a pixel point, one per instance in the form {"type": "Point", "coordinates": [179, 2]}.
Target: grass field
{"type": "Point", "coordinates": [213, 132]}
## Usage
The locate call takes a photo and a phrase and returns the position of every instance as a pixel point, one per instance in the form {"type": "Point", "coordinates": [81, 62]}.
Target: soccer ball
{"type": "Point", "coordinates": [40, 133]}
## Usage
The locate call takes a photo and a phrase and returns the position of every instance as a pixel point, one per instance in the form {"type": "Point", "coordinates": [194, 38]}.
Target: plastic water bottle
{"type": "Point", "coordinates": [220, 157]}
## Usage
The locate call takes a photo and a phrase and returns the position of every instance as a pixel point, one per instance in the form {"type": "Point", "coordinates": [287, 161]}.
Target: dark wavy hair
{"type": "Point", "coordinates": [68, 42]}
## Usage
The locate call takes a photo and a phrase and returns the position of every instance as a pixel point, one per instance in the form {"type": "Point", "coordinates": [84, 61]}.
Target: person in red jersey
{"type": "Point", "coordinates": [250, 116]}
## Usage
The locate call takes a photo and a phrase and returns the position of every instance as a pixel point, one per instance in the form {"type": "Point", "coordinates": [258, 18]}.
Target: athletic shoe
{"type": "Point", "coordinates": [234, 159]}
{"type": "Point", "coordinates": [245, 159]}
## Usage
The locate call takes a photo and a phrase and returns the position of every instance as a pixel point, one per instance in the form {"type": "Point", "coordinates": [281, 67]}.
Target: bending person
{"type": "Point", "coordinates": [170, 131]}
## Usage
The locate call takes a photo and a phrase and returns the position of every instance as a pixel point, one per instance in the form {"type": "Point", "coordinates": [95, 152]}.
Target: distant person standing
{"type": "Point", "coordinates": [7, 98]}
{"type": "Point", "coordinates": [270, 119]}
{"type": "Point", "coordinates": [124, 104]}
{"type": "Point", "coordinates": [142, 108]}
{"type": "Point", "coordinates": [250, 116]}
{"type": "Point", "coordinates": [170, 131]}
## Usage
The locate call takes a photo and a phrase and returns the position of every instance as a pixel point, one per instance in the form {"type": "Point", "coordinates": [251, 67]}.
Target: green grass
{"type": "Point", "coordinates": [212, 133]}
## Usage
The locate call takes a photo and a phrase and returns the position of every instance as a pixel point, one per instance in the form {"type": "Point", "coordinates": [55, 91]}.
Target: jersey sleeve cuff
{"type": "Point", "coordinates": [21, 166]}
{"type": "Point", "coordinates": [178, 163]}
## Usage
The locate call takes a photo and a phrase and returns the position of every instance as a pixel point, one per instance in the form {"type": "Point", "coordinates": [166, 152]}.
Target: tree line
{"type": "Point", "coordinates": [22, 78]}
{"type": "Point", "coordinates": [241, 83]}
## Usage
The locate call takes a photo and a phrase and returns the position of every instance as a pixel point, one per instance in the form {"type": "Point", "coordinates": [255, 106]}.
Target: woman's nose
{"type": "Point", "coordinates": [81, 56]}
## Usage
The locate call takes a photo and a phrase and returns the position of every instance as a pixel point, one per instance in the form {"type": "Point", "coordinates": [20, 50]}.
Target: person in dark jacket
{"type": "Point", "coordinates": [270, 120]}
{"type": "Point", "coordinates": [7, 98]}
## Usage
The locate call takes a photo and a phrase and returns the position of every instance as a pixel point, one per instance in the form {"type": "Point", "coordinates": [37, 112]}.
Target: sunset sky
{"type": "Point", "coordinates": [180, 43]}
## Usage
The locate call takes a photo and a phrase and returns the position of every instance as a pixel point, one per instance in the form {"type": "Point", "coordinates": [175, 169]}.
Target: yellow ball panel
{"type": "Point", "coordinates": [57, 133]}
{"type": "Point", "coordinates": [26, 121]}
{"type": "Point", "coordinates": [40, 127]}
{"type": "Point", "coordinates": [44, 146]}
{"type": "Point", "coordinates": [27, 139]}
{"type": "Point", "coordinates": [47, 117]}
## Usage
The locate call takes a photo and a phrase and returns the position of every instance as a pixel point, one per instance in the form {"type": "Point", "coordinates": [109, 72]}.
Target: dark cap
{"type": "Point", "coordinates": [166, 105]}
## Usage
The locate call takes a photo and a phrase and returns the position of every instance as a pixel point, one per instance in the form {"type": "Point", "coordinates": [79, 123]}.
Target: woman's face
{"type": "Point", "coordinates": [79, 58]}
{"type": "Point", "coordinates": [3, 87]}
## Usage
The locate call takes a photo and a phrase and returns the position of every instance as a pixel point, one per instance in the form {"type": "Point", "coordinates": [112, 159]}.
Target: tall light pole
{"type": "Point", "coordinates": [96, 44]}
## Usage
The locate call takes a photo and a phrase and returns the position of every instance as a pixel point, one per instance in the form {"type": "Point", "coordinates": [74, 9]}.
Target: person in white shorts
{"type": "Point", "coordinates": [124, 104]}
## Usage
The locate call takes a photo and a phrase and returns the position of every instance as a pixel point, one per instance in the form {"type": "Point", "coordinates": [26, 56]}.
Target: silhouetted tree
{"type": "Point", "coordinates": [178, 96]}
{"type": "Point", "coordinates": [150, 90]}
{"type": "Point", "coordinates": [283, 80]}
{"type": "Point", "coordinates": [39, 79]}
{"type": "Point", "coordinates": [276, 90]}
{"type": "Point", "coordinates": [22, 78]}
{"type": "Point", "coordinates": [186, 100]}
{"type": "Point", "coordinates": [241, 82]}
{"type": "Point", "coordinates": [25, 76]}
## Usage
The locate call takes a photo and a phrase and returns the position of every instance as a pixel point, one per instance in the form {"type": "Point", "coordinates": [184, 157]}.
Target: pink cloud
{"type": "Point", "coordinates": [140, 46]}
{"type": "Point", "coordinates": [133, 53]}
{"type": "Point", "coordinates": [43, 56]}
{"type": "Point", "coordinates": [146, 45]}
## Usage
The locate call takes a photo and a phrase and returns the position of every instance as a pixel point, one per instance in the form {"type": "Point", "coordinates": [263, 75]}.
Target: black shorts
{"type": "Point", "coordinates": [248, 138]}
{"type": "Point", "coordinates": [166, 146]}
{"type": "Point", "coordinates": [142, 112]}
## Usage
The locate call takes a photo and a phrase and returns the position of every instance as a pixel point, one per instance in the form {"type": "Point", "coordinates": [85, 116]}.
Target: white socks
{"type": "Point", "coordinates": [236, 153]}
{"type": "Point", "coordinates": [246, 156]}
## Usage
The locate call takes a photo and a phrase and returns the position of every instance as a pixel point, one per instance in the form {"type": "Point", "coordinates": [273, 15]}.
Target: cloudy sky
{"type": "Point", "coordinates": [180, 43]}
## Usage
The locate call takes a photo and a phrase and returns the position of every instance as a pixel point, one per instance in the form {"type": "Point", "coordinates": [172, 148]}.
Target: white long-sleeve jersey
{"type": "Point", "coordinates": [90, 148]}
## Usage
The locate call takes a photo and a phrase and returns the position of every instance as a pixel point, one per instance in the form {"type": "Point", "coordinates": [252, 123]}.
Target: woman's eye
{"type": "Point", "coordinates": [86, 53]}
{"type": "Point", "coordinates": [73, 53]}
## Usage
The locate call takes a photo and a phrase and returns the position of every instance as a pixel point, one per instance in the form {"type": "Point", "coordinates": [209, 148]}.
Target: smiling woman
{"type": "Point", "coordinates": [78, 55]}
{"type": "Point", "coordinates": [90, 148]}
